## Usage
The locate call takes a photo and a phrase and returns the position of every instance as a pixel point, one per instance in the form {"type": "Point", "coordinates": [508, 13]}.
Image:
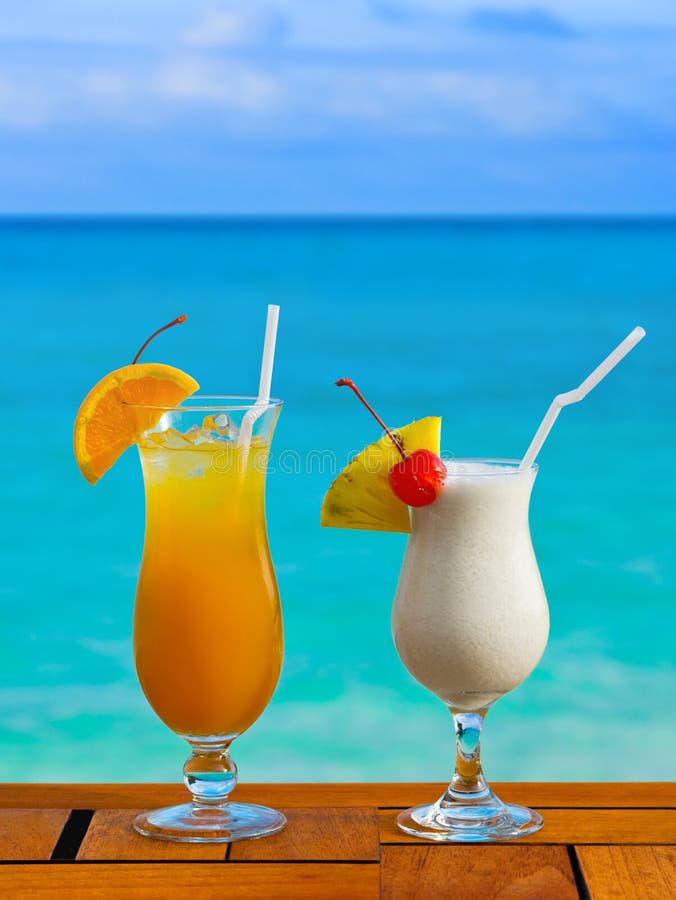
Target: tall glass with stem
{"type": "Point", "coordinates": [208, 640]}
{"type": "Point", "coordinates": [470, 622]}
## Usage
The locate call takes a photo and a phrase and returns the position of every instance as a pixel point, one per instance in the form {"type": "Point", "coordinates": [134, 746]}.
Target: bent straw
{"type": "Point", "coordinates": [251, 415]}
{"type": "Point", "coordinates": [579, 393]}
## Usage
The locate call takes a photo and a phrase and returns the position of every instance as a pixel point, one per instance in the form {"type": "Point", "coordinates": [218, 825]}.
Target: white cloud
{"type": "Point", "coordinates": [349, 24]}
{"type": "Point", "coordinates": [233, 27]}
{"type": "Point", "coordinates": [219, 28]}
{"type": "Point", "coordinates": [153, 92]}
{"type": "Point", "coordinates": [344, 69]}
{"type": "Point", "coordinates": [512, 103]}
{"type": "Point", "coordinates": [228, 86]}
{"type": "Point", "coordinates": [439, 101]}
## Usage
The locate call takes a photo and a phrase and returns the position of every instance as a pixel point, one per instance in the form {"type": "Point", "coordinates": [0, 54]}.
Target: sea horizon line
{"type": "Point", "coordinates": [342, 219]}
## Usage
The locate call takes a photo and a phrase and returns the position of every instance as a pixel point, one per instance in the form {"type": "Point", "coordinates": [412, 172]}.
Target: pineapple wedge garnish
{"type": "Point", "coordinates": [361, 496]}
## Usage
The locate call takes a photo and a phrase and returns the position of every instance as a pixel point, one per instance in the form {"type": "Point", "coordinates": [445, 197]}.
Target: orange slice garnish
{"type": "Point", "coordinates": [106, 425]}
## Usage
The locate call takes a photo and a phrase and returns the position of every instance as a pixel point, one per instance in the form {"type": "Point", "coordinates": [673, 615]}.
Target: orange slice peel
{"type": "Point", "coordinates": [120, 408]}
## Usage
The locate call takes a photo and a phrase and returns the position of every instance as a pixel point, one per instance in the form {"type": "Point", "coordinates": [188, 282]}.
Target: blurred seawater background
{"type": "Point", "coordinates": [480, 321]}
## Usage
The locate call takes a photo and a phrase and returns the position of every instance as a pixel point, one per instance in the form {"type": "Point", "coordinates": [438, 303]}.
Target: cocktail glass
{"type": "Point", "coordinates": [470, 622]}
{"type": "Point", "coordinates": [208, 640]}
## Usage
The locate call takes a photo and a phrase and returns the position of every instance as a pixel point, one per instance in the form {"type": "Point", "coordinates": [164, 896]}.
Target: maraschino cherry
{"type": "Point", "coordinates": [419, 477]}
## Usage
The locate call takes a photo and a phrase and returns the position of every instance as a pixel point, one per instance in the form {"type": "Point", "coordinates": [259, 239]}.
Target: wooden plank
{"type": "Point", "coordinates": [329, 833]}
{"type": "Point", "coordinates": [575, 826]}
{"type": "Point", "coordinates": [196, 881]}
{"type": "Point", "coordinates": [111, 836]}
{"type": "Point", "coordinates": [30, 833]}
{"type": "Point", "coordinates": [478, 872]}
{"type": "Point", "coordinates": [145, 796]}
{"type": "Point", "coordinates": [629, 873]}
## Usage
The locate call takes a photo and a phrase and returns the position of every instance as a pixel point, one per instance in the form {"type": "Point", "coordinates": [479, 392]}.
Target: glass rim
{"type": "Point", "coordinates": [213, 403]}
{"type": "Point", "coordinates": [513, 466]}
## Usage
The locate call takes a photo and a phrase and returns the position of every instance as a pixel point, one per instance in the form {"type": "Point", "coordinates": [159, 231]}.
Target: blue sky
{"type": "Point", "coordinates": [364, 106]}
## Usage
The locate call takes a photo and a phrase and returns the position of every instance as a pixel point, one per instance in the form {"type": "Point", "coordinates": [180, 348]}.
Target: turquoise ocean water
{"type": "Point", "coordinates": [481, 322]}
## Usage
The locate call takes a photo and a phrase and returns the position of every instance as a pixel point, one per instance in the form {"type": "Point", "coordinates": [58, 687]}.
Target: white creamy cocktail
{"type": "Point", "coordinates": [470, 623]}
{"type": "Point", "coordinates": [470, 619]}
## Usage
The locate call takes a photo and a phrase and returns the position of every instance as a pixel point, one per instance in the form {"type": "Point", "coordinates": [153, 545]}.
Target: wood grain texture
{"type": "Point", "coordinates": [30, 833]}
{"type": "Point", "coordinates": [145, 796]}
{"type": "Point", "coordinates": [331, 833]}
{"type": "Point", "coordinates": [111, 836]}
{"type": "Point", "coordinates": [477, 873]}
{"type": "Point", "coordinates": [189, 881]}
{"type": "Point", "coordinates": [575, 826]}
{"type": "Point", "coordinates": [331, 847]}
{"type": "Point", "coordinates": [629, 873]}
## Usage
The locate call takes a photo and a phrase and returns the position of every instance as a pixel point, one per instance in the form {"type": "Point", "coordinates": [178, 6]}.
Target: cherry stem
{"type": "Point", "coordinates": [178, 321]}
{"type": "Point", "coordinates": [347, 382]}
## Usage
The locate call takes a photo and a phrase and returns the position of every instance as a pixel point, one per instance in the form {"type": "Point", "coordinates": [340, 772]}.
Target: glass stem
{"type": "Point", "coordinates": [468, 781]}
{"type": "Point", "coordinates": [210, 774]}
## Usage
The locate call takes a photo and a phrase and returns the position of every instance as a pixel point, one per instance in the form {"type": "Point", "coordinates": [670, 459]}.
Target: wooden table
{"type": "Point", "coordinates": [598, 841]}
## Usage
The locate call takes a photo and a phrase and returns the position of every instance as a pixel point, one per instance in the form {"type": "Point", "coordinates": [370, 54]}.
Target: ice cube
{"type": "Point", "coordinates": [174, 440]}
{"type": "Point", "coordinates": [225, 425]}
{"type": "Point", "coordinates": [220, 424]}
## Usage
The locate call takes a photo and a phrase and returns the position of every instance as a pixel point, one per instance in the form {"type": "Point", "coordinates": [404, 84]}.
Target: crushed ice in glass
{"type": "Point", "coordinates": [212, 428]}
{"type": "Point", "coordinates": [171, 438]}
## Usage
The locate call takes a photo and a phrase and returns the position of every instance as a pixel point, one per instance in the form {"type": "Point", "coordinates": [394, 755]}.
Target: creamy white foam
{"type": "Point", "coordinates": [470, 616]}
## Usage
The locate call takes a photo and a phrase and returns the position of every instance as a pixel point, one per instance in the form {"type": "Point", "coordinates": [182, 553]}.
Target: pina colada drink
{"type": "Point", "coordinates": [207, 626]}
{"type": "Point", "coordinates": [470, 619]}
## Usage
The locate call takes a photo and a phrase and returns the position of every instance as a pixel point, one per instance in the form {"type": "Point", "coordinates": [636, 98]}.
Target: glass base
{"type": "Point", "coordinates": [205, 824]}
{"type": "Point", "coordinates": [469, 824]}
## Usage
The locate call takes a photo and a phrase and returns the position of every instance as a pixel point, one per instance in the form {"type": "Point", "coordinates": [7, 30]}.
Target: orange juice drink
{"type": "Point", "coordinates": [208, 638]}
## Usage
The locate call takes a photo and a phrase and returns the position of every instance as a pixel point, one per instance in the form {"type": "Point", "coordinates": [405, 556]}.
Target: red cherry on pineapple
{"type": "Point", "coordinates": [418, 479]}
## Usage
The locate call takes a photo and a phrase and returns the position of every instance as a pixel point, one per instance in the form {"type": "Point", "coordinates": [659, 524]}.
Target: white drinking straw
{"type": "Point", "coordinates": [579, 393]}
{"type": "Point", "coordinates": [265, 383]}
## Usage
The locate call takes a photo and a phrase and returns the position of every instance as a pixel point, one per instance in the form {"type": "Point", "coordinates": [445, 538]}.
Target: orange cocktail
{"type": "Point", "coordinates": [208, 637]}
{"type": "Point", "coordinates": [207, 627]}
